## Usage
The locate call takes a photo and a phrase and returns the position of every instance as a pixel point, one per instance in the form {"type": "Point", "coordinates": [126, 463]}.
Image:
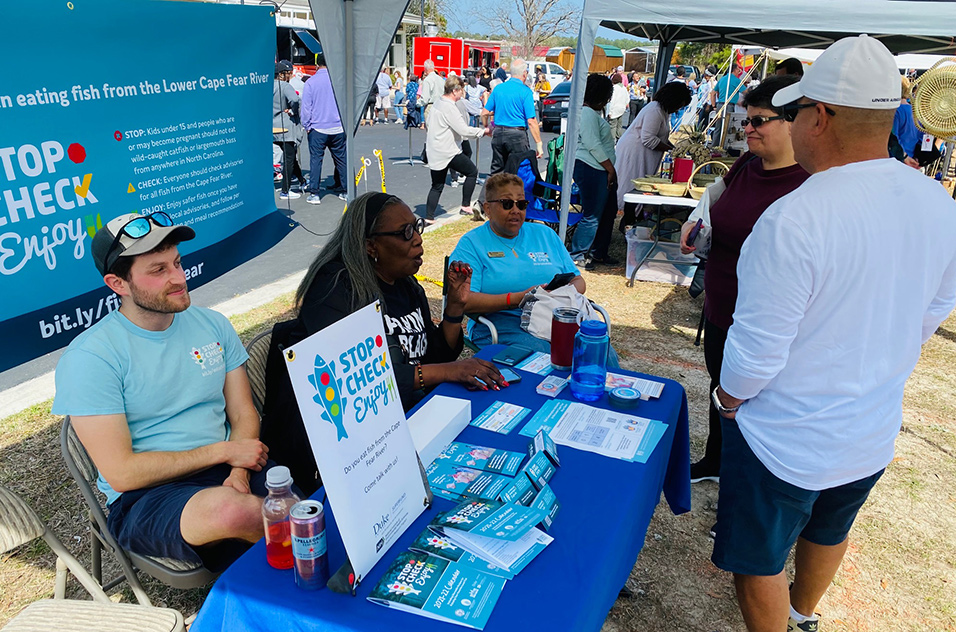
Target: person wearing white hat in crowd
{"type": "Point", "coordinates": [834, 304]}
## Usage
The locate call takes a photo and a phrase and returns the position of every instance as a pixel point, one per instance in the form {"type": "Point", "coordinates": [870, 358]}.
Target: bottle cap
{"type": "Point", "coordinates": [593, 328]}
{"type": "Point", "coordinates": [278, 476]}
{"type": "Point", "coordinates": [624, 397]}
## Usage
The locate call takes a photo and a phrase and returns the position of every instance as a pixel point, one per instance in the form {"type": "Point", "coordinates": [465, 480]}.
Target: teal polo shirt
{"type": "Point", "coordinates": [512, 104]}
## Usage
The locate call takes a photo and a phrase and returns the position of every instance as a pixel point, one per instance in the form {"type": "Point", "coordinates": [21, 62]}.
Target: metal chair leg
{"type": "Point", "coordinates": [96, 558]}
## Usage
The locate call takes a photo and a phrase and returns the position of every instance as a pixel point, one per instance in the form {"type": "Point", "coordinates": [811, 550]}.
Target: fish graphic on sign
{"type": "Point", "coordinates": [327, 394]}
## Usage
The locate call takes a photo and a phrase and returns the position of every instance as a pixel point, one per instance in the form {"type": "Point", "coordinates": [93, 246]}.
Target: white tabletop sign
{"type": "Point", "coordinates": [348, 397]}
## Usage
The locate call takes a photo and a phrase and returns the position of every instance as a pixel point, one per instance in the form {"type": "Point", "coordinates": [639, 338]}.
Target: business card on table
{"type": "Point", "coordinates": [552, 385]}
{"type": "Point", "coordinates": [501, 417]}
{"type": "Point", "coordinates": [537, 362]}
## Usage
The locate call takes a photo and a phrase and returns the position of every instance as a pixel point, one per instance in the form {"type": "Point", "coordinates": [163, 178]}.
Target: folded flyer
{"type": "Point", "coordinates": [435, 588]}
{"type": "Point", "coordinates": [520, 491]}
{"type": "Point", "coordinates": [501, 417]}
{"type": "Point", "coordinates": [547, 501]}
{"type": "Point", "coordinates": [513, 556]}
{"type": "Point", "coordinates": [488, 518]}
{"type": "Point", "coordinates": [539, 469]}
{"type": "Point", "coordinates": [455, 482]}
{"type": "Point", "coordinates": [438, 545]}
{"type": "Point", "coordinates": [482, 458]}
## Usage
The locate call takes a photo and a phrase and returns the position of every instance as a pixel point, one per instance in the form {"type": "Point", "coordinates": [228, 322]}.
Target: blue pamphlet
{"type": "Point", "coordinates": [455, 482]}
{"type": "Point", "coordinates": [501, 417]}
{"type": "Point", "coordinates": [546, 417]}
{"type": "Point", "coordinates": [481, 458]}
{"type": "Point", "coordinates": [655, 430]}
{"type": "Point", "coordinates": [543, 442]}
{"type": "Point", "coordinates": [539, 469]}
{"type": "Point", "coordinates": [488, 518]}
{"type": "Point", "coordinates": [438, 545]}
{"type": "Point", "coordinates": [521, 491]}
{"type": "Point", "coordinates": [433, 587]}
{"type": "Point", "coordinates": [547, 501]}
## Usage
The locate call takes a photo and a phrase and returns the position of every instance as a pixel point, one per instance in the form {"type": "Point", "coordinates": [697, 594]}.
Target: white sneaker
{"type": "Point", "coordinates": [291, 195]}
{"type": "Point", "coordinates": [314, 199]}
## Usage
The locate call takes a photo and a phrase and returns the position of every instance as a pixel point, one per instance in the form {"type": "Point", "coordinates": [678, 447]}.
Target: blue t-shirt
{"type": "Point", "coordinates": [167, 383]}
{"type": "Point", "coordinates": [512, 104]}
{"type": "Point", "coordinates": [723, 90]}
{"type": "Point", "coordinates": [501, 265]}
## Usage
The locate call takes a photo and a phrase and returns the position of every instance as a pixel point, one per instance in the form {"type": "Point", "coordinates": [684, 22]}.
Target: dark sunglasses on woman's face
{"type": "Point", "coordinates": [509, 204]}
{"type": "Point", "coordinates": [758, 121]}
{"type": "Point", "coordinates": [405, 232]}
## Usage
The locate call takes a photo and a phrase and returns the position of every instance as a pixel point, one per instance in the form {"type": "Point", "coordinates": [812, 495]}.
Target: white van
{"type": "Point", "coordinates": [552, 71]}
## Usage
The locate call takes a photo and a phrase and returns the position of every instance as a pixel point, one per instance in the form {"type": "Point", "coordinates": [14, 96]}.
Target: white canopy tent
{"type": "Point", "coordinates": [355, 36]}
{"type": "Point", "coordinates": [904, 26]}
{"type": "Point", "coordinates": [904, 61]}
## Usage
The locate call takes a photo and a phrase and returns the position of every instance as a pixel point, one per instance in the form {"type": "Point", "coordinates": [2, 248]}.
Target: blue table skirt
{"type": "Point", "coordinates": [607, 505]}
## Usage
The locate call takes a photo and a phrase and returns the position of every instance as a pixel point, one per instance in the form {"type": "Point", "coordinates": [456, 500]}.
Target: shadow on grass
{"type": "Point", "coordinates": [947, 334]}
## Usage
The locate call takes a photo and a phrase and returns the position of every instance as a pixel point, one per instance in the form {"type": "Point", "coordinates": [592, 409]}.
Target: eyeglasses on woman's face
{"type": "Point", "coordinates": [507, 204]}
{"type": "Point", "coordinates": [406, 232]}
{"type": "Point", "coordinates": [758, 121]}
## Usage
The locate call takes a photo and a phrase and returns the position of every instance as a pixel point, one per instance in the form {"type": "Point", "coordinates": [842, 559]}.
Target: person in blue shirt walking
{"type": "Point", "coordinates": [512, 104]}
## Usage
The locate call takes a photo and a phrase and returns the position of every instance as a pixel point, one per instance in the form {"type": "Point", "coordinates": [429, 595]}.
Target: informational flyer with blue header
{"type": "Point", "coordinates": [511, 555]}
{"type": "Point", "coordinates": [482, 458]}
{"type": "Point", "coordinates": [501, 417]}
{"type": "Point", "coordinates": [455, 482]}
{"type": "Point", "coordinates": [440, 546]}
{"type": "Point", "coordinates": [521, 491]}
{"type": "Point", "coordinates": [547, 501]}
{"type": "Point", "coordinates": [539, 469]}
{"type": "Point", "coordinates": [488, 518]}
{"type": "Point", "coordinates": [435, 588]}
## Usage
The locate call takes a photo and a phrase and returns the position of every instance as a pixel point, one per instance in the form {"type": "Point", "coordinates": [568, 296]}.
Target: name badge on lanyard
{"type": "Point", "coordinates": [495, 254]}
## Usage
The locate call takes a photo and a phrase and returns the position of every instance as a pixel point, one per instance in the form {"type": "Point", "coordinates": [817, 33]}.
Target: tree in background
{"type": "Point", "coordinates": [529, 23]}
{"type": "Point", "coordinates": [701, 55]}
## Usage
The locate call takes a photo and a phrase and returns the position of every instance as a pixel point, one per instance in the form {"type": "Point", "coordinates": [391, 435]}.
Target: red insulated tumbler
{"type": "Point", "coordinates": [564, 325]}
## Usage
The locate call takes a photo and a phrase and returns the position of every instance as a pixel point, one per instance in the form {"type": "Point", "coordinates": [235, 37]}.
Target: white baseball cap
{"type": "Point", "coordinates": [857, 72]}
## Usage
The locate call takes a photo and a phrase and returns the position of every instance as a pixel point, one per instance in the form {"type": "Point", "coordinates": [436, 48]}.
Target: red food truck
{"type": "Point", "coordinates": [451, 54]}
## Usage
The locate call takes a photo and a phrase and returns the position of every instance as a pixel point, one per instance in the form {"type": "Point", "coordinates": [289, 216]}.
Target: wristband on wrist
{"type": "Point", "coordinates": [454, 320]}
{"type": "Point", "coordinates": [508, 299]}
{"type": "Point", "coordinates": [421, 378]}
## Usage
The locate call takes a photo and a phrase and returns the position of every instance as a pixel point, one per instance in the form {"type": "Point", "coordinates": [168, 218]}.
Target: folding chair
{"type": "Point", "coordinates": [544, 197]}
{"type": "Point", "coordinates": [19, 525]}
{"type": "Point", "coordinates": [175, 573]}
{"type": "Point", "coordinates": [258, 350]}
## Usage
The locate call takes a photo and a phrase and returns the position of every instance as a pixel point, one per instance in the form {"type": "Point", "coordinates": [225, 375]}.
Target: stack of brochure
{"type": "Point", "coordinates": [469, 471]}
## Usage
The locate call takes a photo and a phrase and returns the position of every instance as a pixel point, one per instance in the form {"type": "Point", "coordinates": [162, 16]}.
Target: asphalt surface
{"type": "Point", "coordinates": [299, 247]}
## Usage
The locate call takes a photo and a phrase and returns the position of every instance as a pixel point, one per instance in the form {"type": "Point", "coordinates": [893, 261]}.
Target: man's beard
{"type": "Point", "coordinates": [160, 303]}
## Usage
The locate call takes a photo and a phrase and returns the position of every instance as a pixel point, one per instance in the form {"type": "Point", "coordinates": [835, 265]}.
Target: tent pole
{"type": "Point", "coordinates": [350, 122]}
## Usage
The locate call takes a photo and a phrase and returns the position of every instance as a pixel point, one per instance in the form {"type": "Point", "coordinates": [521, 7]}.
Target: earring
{"type": "Point", "coordinates": [375, 259]}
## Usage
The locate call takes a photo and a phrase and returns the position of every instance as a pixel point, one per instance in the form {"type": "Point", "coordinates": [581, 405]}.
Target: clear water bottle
{"type": "Point", "coordinates": [275, 517]}
{"type": "Point", "coordinates": [589, 363]}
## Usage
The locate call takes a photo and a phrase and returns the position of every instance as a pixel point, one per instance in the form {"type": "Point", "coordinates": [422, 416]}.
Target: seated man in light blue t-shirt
{"type": "Point", "coordinates": [158, 395]}
{"type": "Point", "coordinates": [508, 259]}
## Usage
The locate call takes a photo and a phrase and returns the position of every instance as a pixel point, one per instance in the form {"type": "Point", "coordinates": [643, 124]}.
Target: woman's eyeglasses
{"type": "Point", "coordinates": [509, 204]}
{"type": "Point", "coordinates": [758, 121]}
{"type": "Point", "coordinates": [406, 232]}
{"type": "Point", "coordinates": [791, 110]}
{"type": "Point", "coordinates": [137, 229]}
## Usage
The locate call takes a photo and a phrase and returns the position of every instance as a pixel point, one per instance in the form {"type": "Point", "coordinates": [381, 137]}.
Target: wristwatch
{"type": "Point", "coordinates": [723, 410]}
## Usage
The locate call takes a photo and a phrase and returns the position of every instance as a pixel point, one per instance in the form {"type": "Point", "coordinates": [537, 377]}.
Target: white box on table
{"type": "Point", "coordinates": [436, 424]}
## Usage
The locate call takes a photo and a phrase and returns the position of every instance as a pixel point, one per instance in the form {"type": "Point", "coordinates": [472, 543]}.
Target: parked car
{"type": "Point", "coordinates": [552, 71]}
{"type": "Point", "coordinates": [688, 71]}
{"type": "Point", "coordinates": [555, 106]}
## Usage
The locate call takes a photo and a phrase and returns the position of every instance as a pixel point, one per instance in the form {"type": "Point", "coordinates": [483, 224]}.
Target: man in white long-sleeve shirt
{"type": "Point", "coordinates": [836, 297]}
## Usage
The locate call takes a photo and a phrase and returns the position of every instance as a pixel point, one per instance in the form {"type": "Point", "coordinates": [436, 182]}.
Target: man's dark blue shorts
{"type": "Point", "coordinates": [759, 516]}
{"type": "Point", "coordinates": [147, 520]}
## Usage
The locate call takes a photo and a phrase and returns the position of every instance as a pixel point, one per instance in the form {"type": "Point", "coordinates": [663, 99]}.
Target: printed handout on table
{"type": "Point", "coordinates": [501, 417]}
{"type": "Point", "coordinates": [482, 458]}
{"type": "Point", "coordinates": [537, 362]}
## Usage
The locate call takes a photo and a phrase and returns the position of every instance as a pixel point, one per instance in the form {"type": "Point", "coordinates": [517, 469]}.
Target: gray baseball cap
{"type": "Point", "coordinates": [105, 253]}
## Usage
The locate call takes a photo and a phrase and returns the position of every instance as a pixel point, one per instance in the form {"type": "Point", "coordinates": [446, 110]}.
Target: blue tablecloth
{"type": "Point", "coordinates": [606, 506]}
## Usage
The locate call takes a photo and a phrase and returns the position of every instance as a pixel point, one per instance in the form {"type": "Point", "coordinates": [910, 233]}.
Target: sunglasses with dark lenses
{"type": "Point", "coordinates": [758, 121]}
{"type": "Point", "coordinates": [791, 110]}
{"type": "Point", "coordinates": [138, 228]}
{"type": "Point", "coordinates": [509, 204]}
{"type": "Point", "coordinates": [406, 232]}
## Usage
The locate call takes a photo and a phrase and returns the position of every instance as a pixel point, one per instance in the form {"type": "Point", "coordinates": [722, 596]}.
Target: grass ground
{"type": "Point", "coordinates": [899, 573]}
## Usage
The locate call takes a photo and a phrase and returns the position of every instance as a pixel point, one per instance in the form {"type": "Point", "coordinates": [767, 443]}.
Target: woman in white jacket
{"type": "Point", "coordinates": [620, 101]}
{"type": "Point", "coordinates": [446, 128]}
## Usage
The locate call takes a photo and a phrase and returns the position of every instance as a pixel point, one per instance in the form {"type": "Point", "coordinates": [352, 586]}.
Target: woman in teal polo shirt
{"type": "Point", "coordinates": [508, 259]}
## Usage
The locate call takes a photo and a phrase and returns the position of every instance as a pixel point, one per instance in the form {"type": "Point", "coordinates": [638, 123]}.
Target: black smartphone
{"type": "Point", "coordinates": [560, 280]}
{"type": "Point", "coordinates": [511, 377]}
{"type": "Point", "coordinates": [512, 355]}
{"type": "Point", "coordinates": [693, 232]}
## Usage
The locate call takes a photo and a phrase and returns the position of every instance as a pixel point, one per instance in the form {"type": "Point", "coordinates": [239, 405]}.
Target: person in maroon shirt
{"type": "Point", "coordinates": [758, 179]}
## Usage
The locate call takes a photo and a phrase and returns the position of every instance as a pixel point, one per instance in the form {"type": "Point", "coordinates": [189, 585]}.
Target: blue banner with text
{"type": "Point", "coordinates": [128, 106]}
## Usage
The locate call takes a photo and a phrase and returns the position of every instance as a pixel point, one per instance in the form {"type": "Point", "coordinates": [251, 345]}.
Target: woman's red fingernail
{"type": "Point", "coordinates": [505, 383]}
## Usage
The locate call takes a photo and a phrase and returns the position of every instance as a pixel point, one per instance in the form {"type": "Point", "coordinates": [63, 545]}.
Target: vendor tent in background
{"type": "Point", "coordinates": [905, 61]}
{"type": "Point", "coordinates": [905, 26]}
{"type": "Point", "coordinates": [355, 36]}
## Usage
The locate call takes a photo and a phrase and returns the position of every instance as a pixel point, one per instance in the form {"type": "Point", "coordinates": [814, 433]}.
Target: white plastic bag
{"type": "Point", "coordinates": [538, 307]}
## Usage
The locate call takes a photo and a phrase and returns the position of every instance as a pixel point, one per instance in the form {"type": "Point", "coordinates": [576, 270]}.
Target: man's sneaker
{"type": "Point", "coordinates": [454, 184]}
{"type": "Point", "coordinates": [343, 197]}
{"type": "Point", "coordinates": [291, 195]}
{"type": "Point", "coordinates": [704, 471]}
{"type": "Point", "coordinates": [461, 179]}
{"type": "Point", "coordinates": [314, 199]}
{"type": "Point", "coordinates": [810, 625]}
{"type": "Point", "coordinates": [465, 211]}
